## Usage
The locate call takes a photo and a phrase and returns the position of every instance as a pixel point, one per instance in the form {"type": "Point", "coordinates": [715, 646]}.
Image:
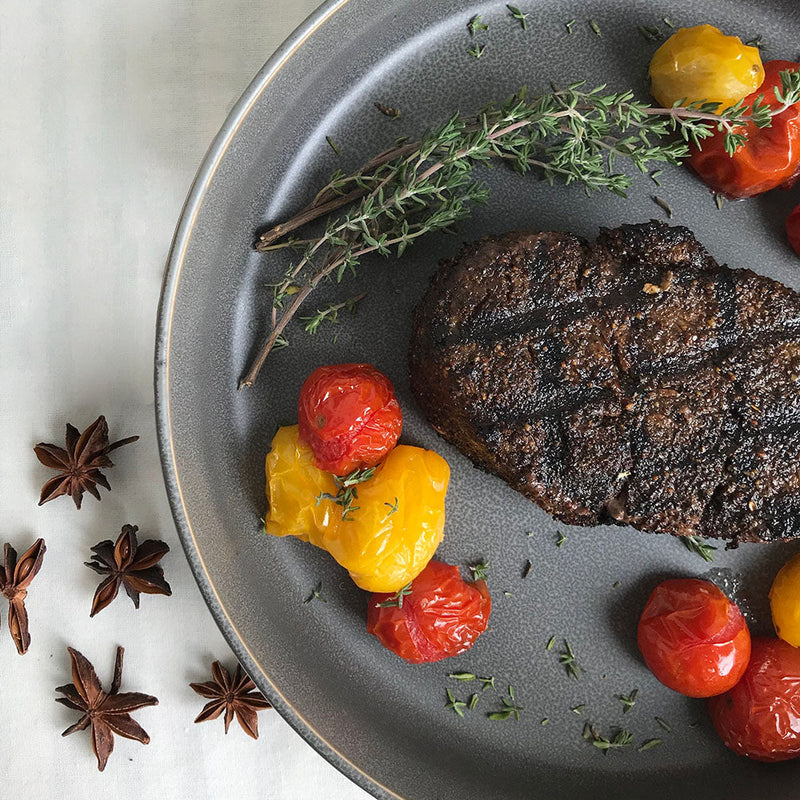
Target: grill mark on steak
{"type": "Point", "coordinates": [549, 362]}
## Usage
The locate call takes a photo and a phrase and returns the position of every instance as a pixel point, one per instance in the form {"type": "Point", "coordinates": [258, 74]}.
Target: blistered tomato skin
{"type": "Point", "coordinates": [693, 638]}
{"type": "Point", "coordinates": [441, 616]}
{"type": "Point", "coordinates": [349, 416]}
{"type": "Point", "coordinates": [397, 521]}
{"type": "Point", "coordinates": [770, 157]}
{"type": "Point", "coordinates": [793, 229]}
{"type": "Point", "coordinates": [702, 63]}
{"type": "Point", "coordinates": [784, 599]}
{"type": "Point", "coordinates": [760, 716]}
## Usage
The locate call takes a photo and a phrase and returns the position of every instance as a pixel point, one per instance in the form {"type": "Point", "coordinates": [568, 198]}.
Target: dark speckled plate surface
{"type": "Point", "coordinates": [381, 721]}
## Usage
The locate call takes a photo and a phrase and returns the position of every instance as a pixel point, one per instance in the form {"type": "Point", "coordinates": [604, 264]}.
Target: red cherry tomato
{"type": "Point", "coordinates": [793, 229]}
{"type": "Point", "coordinates": [441, 615]}
{"type": "Point", "coordinates": [771, 156]}
{"type": "Point", "coordinates": [693, 638]}
{"type": "Point", "coordinates": [760, 716]}
{"type": "Point", "coordinates": [349, 416]}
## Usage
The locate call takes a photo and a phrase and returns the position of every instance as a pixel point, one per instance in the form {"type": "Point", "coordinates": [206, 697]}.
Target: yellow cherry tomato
{"type": "Point", "coordinates": [702, 63]}
{"type": "Point", "coordinates": [784, 598]}
{"type": "Point", "coordinates": [395, 523]}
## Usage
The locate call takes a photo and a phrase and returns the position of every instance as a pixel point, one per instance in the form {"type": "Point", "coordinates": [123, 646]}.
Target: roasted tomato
{"type": "Point", "coordinates": [793, 229]}
{"type": "Point", "coordinates": [349, 416]}
{"type": "Point", "coordinates": [439, 615]}
{"type": "Point", "coordinates": [383, 532]}
{"type": "Point", "coordinates": [784, 598]}
{"type": "Point", "coordinates": [769, 158]}
{"type": "Point", "coordinates": [760, 716]}
{"type": "Point", "coordinates": [702, 63]}
{"type": "Point", "coordinates": [693, 638]}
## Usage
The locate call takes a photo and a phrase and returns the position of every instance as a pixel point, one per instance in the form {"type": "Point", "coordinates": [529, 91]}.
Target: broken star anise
{"type": "Point", "coordinates": [130, 564]}
{"type": "Point", "coordinates": [79, 464]}
{"type": "Point", "coordinates": [106, 712]}
{"type": "Point", "coordinates": [238, 696]}
{"type": "Point", "coordinates": [15, 578]}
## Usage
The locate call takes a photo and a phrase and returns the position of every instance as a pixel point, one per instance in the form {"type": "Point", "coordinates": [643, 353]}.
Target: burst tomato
{"type": "Point", "coordinates": [349, 416]}
{"type": "Point", "coordinates": [437, 616]}
{"type": "Point", "coordinates": [760, 716]}
{"type": "Point", "coordinates": [770, 157]}
{"type": "Point", "coordinates": [693, 638]}
{"type": "Point", "coordinates": [793, 229]}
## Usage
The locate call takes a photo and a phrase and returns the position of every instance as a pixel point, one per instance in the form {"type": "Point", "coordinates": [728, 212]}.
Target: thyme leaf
{"type": "Point", "coordinates": [510, 708]}
{"type": "Point", "coordinates": [595, 27]}
{"type": "Point", "coordinates": [316, 594]}
{"type": "Point", "coordinates": [348, 491]}
{"type": "Point", "coordinates": [388, 111]}
{"type": "Point", "coordinates": [475, 25]}
{"type": "Point", "coordinates": [334, 146]}
{"type": "Point", "coordinates": [628, 701]}
{"type": "Point", "coordinates": [620, 738]}
{"type": "Point", "coordinates": [696, 545]}
{"type": "Point", "coordinates": [567, 658]}
{"type": "Point", "coordinates": [457, 705]}
{"type": "Point", "coordinates": [521, 16]}
{"type": "Point", "coordinates": [479, 570]}
{"type": "Point", "coordinates": [396, 600]}
{"type": "Point", "coordinates": [330, 314]}
{"type": "Point", "coordinates": [393, 507]}
{"type": "Point", "coordinates": [649, 745]}
{"type": "Point", "coordinates": [476, 51]}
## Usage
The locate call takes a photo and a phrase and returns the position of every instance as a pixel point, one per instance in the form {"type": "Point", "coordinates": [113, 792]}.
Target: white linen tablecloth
{"type": "Point", "coordinates": [106, 110]}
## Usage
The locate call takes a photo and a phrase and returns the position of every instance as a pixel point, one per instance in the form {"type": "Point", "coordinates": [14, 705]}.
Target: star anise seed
{"type": "Point", "coordinates": [106, 712]}
{"type": "Point", "coordinates": [238, 696]}
{"type": "Point", "coordinates": [15, 578]}
{"type": "Point", "coordinates": [79, 464]}
{"type": "Point", "coordinates": [130, 564]}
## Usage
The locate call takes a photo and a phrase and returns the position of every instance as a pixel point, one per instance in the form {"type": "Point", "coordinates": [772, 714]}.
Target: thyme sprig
{"type": "Point", "coordinates": [620, 738]}
{"type": "Point", "coordinates": [510, 708]}
{"type": "Point", "coordinates": [396, 600]}
{"type": "Point", "coordinates": [569, 662]}
{"type": "Point", "coordinates": [348, 490]}
{"type": "Point", "coordinates": [572, 135]}
{"type": "Point", "coordinates": [696, 545]}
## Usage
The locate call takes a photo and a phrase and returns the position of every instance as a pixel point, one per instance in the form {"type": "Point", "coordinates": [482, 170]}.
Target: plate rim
{"type": "Point", "coordinates": [166, 305]}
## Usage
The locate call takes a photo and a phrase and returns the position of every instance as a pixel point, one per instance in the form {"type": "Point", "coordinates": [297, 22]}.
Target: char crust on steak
{"type": "Point", "coordinates": [631, 380]}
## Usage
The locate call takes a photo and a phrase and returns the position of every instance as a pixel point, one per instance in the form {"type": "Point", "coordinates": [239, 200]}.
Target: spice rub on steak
{"type": "Point", "coordinates": [631, 380]}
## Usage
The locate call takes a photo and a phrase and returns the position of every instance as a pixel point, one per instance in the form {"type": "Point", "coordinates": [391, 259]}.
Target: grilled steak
{"type": "Point", "coordinates": [629, 381]}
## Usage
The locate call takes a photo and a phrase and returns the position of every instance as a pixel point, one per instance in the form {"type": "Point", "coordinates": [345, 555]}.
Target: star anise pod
{"type": "Point", "coordinates": [15, 578]}
{"type": "Point", "coordinates": [130, 564]}
{"type": "Point", "coordinates": [238, 696]}
{"type": "Point", "coordinates": [106, 712]}
{"type": "Point", "coordinates": [79, 464]}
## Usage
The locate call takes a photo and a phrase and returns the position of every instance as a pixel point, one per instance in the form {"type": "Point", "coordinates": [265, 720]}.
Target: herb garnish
{"type": "Point", "coordinates": [348, 491]}
{"type": "Point", "coordinates": [526, 570]}
{"type": "Point", "coordinates": [650, 33]}
{"type": "Point", "coordinates": [519, 15]}
{"type": "Point", "coordinates": [662, 204]}
{"type": "Point", "coordinates": [473, 701]}
{"type": "Point", "coordinates": [389, 111]}
{"type": "Point", "coordinates": [415, 188]}
{"type": "Point", "coordinates": [595, 27]}
{"type": "Point", "coordinates": [628, 701]}
{"type": "Point", "coordinates": [392, 507]}
{"type": "Point", "coordinates": [316, 594]}
{"type": "Point", "coordinates": [333, 145]}
{"type": "Point", "coordinates": [550, 642]}
{"type": "Point", "coordinates": [560, 539]}
{"type": "Point", "coordinates": [457, 705]}
{"type": "Point", "coordinates": [462, 676]}
{"type": "Point", "coordinates": [330, 313]}
{"type": "Point", "coordinates": [719, 199]}
{"type": "Point", "coordinates": [756, 41]}
{"type": "Point", "coordinates": [545, 721]}
{"type": "Point", "coordinates": [667, 22]}
{"type": "Point", "coordinates": [569, 25]}
{"type": "Point", "coordinates": [476, 51]}
{"type": "Point", "coordinates": [487, 683]}
{"type": "Point", "coordinates": [696, 545]}
{"type": "Point", "coordinates": [396, 600]}
{"type": "Point", "coordinates": [475, 25]}
{"type": "Point", "coordinates": [510, 708]}
{"type": "Point", "coordinates": [620, 738]}
{"type": "Point", "coordinates": [654, 176]}
{"type": "Point", "coordinates": [649, 745]}
{"type": "Point", "coordinates": [663, 724]}
{"type": "Point", "coordinates": [578, 709]}
{"type": "Point", "coordinates": [479, 570]}
{"type": "Point", "coordinates": [567, 658]}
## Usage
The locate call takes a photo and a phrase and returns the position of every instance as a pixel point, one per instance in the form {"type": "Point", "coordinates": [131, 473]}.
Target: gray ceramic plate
{"type": "Point", "coordinates": [380, 721]}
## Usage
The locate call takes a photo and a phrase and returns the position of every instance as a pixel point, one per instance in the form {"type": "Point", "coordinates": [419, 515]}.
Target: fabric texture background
{"type": "Point", "coordinates": [106, 110]}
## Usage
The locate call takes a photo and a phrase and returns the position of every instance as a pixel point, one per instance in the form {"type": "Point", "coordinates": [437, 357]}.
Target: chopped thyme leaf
{"type": "Point", "coordinates": [650, 33]}
{"type": "Point", "coordinates": [719, 199]}
{"type": "Point", "coordinates": [595, 27]}
{"type": "Point", "coordinates": [649, 745]}
{"type": "Point", "coordinates": [530, 533]}
{"type": "Point", "coordinates": [479, 570]}
{"type": "Point", "coordinates": [567, 658]}
{"type": "Point", "coordinates": [388, 111]}
{"type": "Point", "coordinates": [756, 41]}
{"type": "Point", "coordinates": [487, 682]}
{"type": "Point", "coordinates": [667, 22]}
{"type": "Point", "coordinates": [457, 705]}
{"type": "Point", "coordinates": [396, 600]}
{"type": "Point", "coordinates": [511, 709]}
{"type": "Point", "coordinates": [526, 570]}
{"type": "Point", "coordinates": [333, 145]}
{"type": "Point", "coordinates": [477, 50]}
{"type": "Point", "coordinates": [696, 545]}
{"type": "Point", "coordinates": [519, 15]}
{"type": "Point", "coordinates": [620, 738]}
{"type": "Point", "coordinates": [508, 594]}
{"type": "Point", "coordinates": [316, 594]}
{"type": "Point", "coordinates": [578, 709]}
{"type": "Point", "coordinates": [654, 176]}
{"type": "Point", "coordinates": [616, 585]}
{"type": "Point", "coordinates": [550, 642]}
{"type": "Point", "coordinates": [662, 204]}
{"type": "Point", "coordinates": [462, 676]}
{"type": "Point", "coordinates": [663, 724]}
{"type": "Point", "coordinates": [475, 25]}
{"type": "Point", "coordinates": [544, 721]}
{"type": "Point", "coordinates": [473, 701]}
{"type": "Point", "coordinates": [628, 701]}
{"type": "Point", "coordinates": [569, 25]}
{"type": "Point", "coordinates": [560, 539]}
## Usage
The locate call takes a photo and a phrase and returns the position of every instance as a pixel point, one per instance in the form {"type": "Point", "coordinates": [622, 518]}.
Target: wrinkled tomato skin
{"type": "Point", "coordinates": [793, 229]}
{"type": "Point", "coordinates": [770, 157]}
{"type": "Point", "coordinates": [440, 617]}
{"type": "Point", "coordinates": [693, 638]}
{"type": "Point", "coordinates": [760, 716]}
{"type": "Point", "coordinates": [349, 416]}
